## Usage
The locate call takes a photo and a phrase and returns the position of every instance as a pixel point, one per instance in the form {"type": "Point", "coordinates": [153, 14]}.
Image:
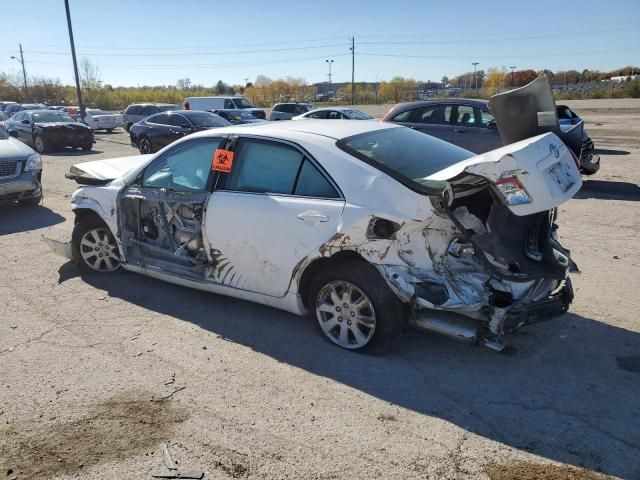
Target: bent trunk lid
{"type": "Point", "coordinates": [543, 165]}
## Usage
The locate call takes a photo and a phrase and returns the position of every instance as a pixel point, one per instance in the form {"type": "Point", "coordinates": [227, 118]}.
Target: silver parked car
{"type": "Point", "coordinates": [286, 111]}
{"type": "Point", "coordinates": [20, 172]}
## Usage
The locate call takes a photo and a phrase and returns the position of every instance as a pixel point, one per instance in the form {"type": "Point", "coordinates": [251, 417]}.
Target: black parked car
{"type": "Point", "coordinates": [237, 116]}
{"type": "Point", "coordinates": [469, 124]}
{"type": "Point", "coordinates": [158, 131]}
{"type": "Point", "coordinates": [48, 130]}
{"type": "Point", "coordinates": [139, 111]}
{"type": "Point", "coordinates": [13, 108]}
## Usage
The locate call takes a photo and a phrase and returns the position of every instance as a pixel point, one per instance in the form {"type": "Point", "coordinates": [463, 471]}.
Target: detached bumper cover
{"type": "Point", "coordinates": [540, 311]}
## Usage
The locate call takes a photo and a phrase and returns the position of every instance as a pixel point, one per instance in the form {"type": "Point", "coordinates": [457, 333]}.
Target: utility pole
{"type": "Point", "coordinates": [353, 70]}
{"type": "Point", "coordinates": [75, 64]}
{"type": "Point", "coordinates": [24, 71]}
{"type": "Point", "coordinates": [475, 76]}
{"type": "Point", "coordinates": [329, 75]}
{"type": "Point", "coordinates": [512, 69]}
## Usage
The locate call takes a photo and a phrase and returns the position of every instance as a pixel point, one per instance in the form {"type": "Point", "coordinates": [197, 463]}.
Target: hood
{"type": "Point", "coordinates": [101, 172]}
{"type": "Point", "coordinates": [529, 111]}
{"type": "Point", "coordinates": [61, 125]}
{"type": "Point", "coordinates": [542, 165]}
{"type": "Point", "coordinates": [12, 149]}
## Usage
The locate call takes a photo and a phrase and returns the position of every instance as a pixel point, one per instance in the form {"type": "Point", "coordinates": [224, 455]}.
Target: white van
{"type": "Point", "coordinates": [217, 103]}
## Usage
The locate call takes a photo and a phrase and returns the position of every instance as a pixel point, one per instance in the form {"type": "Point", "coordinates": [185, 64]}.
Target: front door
{"type": "Point", "coordinates": [473, 129]}
{"type": "Point", "coordinates": [273, 209]}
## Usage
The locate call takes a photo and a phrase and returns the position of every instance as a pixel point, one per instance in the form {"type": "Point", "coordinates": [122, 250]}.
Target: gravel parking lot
{"type": "Point", "coordinates": [97, 371]}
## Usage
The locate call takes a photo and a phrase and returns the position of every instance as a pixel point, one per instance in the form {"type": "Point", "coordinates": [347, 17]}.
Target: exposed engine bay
{"type": "Point", "coordinates": [166, 227]}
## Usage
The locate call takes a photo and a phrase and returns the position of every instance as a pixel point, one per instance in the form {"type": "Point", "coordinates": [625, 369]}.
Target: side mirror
{"type": "Point", "coordinates": [492, 125]}
{"type": "Point", "coordinates": [26, 122]}
{"type": "Point", "coordinates": [13, 133]}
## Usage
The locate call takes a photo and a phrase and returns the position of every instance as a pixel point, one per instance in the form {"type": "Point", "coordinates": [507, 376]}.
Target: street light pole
{"type": "Point", "coordinates": [475, 76]}
{"type": "Point", "coordinates": [329, 75]}
{"type": "Point", "coordinates": [24, 71]}
{"type": "Point", "coordinates": [75, 64]}
{"type": "Point", "coordinates": [512, 69]}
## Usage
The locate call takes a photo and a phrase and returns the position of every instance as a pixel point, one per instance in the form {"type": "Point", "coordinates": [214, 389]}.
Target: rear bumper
{"type": "Point", "coordinates": [551, 307]}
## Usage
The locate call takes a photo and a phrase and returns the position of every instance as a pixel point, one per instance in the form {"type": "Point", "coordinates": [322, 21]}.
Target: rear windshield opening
{"type": "Point", "coordinates": [406, 155]}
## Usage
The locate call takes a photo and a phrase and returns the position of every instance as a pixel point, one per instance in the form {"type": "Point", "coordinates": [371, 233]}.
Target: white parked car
{"type": "Point", "coordinates": [98, 119]}
{"type": "Point", "coordinates": [334, 113]}
{"type": "Point", "coordinates": [368, 226]}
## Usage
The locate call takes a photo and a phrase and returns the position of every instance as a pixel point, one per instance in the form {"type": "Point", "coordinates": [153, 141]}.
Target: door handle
{"type": "Point", "coordinates": [459, 130]}
{"type": "Point", "coordinates": [312, 217]}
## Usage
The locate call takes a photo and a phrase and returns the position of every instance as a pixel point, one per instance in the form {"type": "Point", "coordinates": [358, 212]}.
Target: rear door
{"type": "Point", "coordinates": [274, 208]}
{"type": "Point", "coordinates": [473, 129]}
{"type": "Point", "coordinates": [435, 119]}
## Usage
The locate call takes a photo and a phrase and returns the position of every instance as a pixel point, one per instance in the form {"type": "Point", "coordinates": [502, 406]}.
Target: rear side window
{"type": "Point", "coordinates": [167, 108]}
{"type": "Point", "coordinates": [228, 103]}
{"type": "Point", "coordinates": [178, 120]}
{"type": "Point", "coordinates": [300, 109]}
{"type": "Point", "coordinates": [322, 114]}
{"type": "Point", "coordinates": [466, 116]}
{"type": "Point", "coordinates": [333, 115]}
{"type": "Point", "coordinates": [133, 110]}
{"type": "Point", "coordinates": [271, 167]}
{"type": "Point", "coordinates": [149, 110]}
{"type": "Point", "coordinates": [404, 116]}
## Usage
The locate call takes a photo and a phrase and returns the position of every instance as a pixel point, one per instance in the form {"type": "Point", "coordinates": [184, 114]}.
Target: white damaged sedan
{"type": "Point", "coordinates": [367, 226]}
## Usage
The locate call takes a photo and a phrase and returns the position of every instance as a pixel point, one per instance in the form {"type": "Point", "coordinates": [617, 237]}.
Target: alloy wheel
{"type": "Point", "coordinates": [39, 144]}
{"type": "Point", "coordinates": [345, 314]}
{"type": "Point", "coordinates": [145, 146]}
{"type": "Point", "coordinates": [99, 251]}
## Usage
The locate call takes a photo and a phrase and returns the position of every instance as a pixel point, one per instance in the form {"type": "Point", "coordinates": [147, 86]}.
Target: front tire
{"type": "Point", "coordinates": [354, 308]}
{"type": "Point", "coordinates": [42, 146]}
{"type": "Point", "coordinates": [94, 247]}
{"type": "Point", "coordinates": [109, 130]}
{"type": "Point", "coordinates": [144, 145]}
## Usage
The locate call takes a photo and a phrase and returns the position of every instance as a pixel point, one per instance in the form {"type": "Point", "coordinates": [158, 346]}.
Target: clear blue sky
{"type": "Point", "coordinates": [151, 42]}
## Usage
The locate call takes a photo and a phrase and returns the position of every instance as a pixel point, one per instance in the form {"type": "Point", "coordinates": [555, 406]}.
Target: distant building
{"type": "Point", "coordinates": [623, 78]}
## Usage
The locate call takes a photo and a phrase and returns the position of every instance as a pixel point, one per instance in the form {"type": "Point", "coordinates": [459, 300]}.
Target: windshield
{"type": "Point", "coordinates": [204, 119]}
{"type": "Point", "coordinates": [356, 115]}
{"type": "Point", "coordinates": [405, 154]}
{"type": "Point", "coordinates": [51, 116]}
{"type": "Point", "coordinates": [95, 111]}
{"type": "Point", "coordinates": [242, 103]}
{"type": "Point", "coordinates": [3, 134]}
{"type": "Point", "coordinates": [242, 115]}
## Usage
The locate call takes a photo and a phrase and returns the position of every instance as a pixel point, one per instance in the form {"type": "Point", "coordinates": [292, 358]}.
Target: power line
{"type": "Point", "coordinates": [186, 54]}
{"type": "Point", "coordinates": [467, 57]}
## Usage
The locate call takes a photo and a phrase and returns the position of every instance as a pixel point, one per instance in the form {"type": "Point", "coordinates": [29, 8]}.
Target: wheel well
{"type": "Point", "coordinates": [320, 264]}
{"type": "Point", "coordinates": [86, 212]}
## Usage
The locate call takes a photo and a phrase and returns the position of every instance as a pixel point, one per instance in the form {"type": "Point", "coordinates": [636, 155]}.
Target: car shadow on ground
{"type": "Point", "coordinates": [74, 152]}
{"type": "Point", "coordinates": [15, 218]}
{"type": "Point", "coordinates": [605, 151]}
{"type": "Point", "coordinates": [569, 393]}
{"type": "Point", "coordinates": [608, 190]}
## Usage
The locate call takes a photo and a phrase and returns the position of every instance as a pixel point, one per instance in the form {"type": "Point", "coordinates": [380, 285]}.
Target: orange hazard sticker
{"type": "Point", "coordinates": [222, 160]}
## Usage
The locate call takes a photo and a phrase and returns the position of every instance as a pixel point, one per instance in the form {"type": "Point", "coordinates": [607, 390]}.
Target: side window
{"type": "Point", "coordinates": [299, 109]}
{"type": "Point", "coordinates": [184, 168]}
{"type": "Point", "coordinates": [148, 110]}
{"type": "Point", "coordinates": [435, 114]}
{"type": "Point", "coordinates": [312, 183]}
{"type": "Point", "coordinates": [264, 167]}
{"type": "Point", "coordinates": [160, 119]}
{"type": "Point", "coordinates": [322, 114]}
{"type": "Point", "coordinates": [486, 118]}
{"type": "Point", "coordinates": [404, 116]}
{"type": "Point", "coordinates": [333, 115]}
{"type": "Point", "coordinates": [178, 120]}
{"type": "Point", "coordinates": [466, 116]}
{"type": "Point", "coordinates": [287, 108]}
{"type": "Point", "coordinates": [228, 103]}
{"type": "Point", "coordinates": [18, 117]}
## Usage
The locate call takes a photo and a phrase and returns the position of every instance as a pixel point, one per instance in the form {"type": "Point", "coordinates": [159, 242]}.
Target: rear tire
{"type": "Point", "coordinates": [94, 247]}
{"type": "Point", "coordinates": [353, 307]}
{"type": "Point", "coordinates": [109, 130]}
{"type": "Point", "coordinates": [87, 146]}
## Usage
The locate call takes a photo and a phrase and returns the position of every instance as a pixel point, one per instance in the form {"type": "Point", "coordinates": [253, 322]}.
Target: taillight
{"type": "Point", "coordinates": [512, 191]}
